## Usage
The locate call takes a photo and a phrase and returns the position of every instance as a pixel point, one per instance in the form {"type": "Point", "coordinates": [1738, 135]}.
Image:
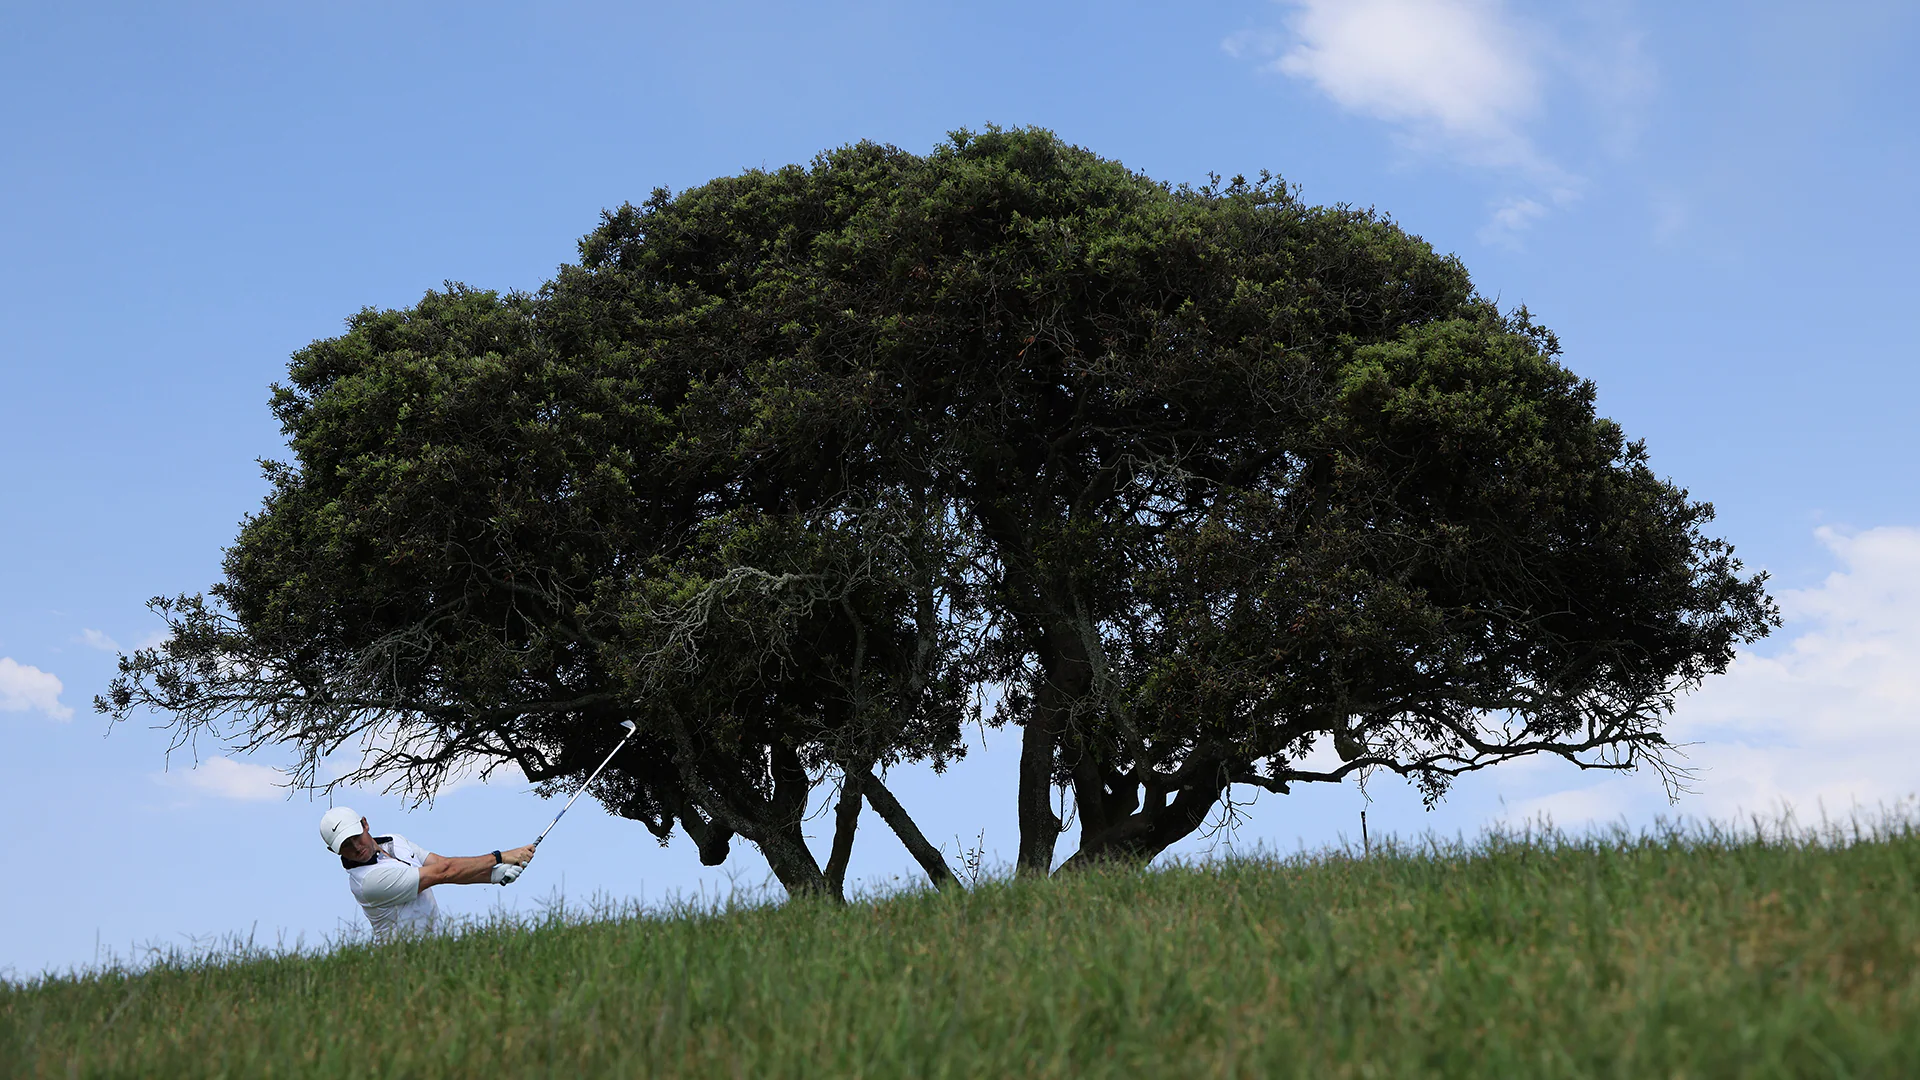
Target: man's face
{"type": "Point", "coordinates": [359, 848]}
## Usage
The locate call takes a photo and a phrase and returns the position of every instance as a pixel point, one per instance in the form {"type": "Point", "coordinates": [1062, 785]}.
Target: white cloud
{"type": "Point", "coordinates": [459, 778]}
{"type": "Point", "coordinates": [468, 775]}
{"type": "Point", "coordinates": [1602, 52]}
{"type": "Point", "coordinates": [375, 746]}
{"type": "Point", "coordinates": [1830, 722]}
{"type": "Point", "coordinates": [94, 639]}
{"type": "Point", "coordinates": [1511, 218]}
{"type": "Point", "coordinates": [1671, 216]}
{"type": "Point", "coordinates": [226, 778]}
{"type": "Point", "coordinates": [1457, 69]}
{"type": "Point", "coordinates": [1255, 43]}
{"type": "Point", "coordinates": [1472, 81]}
{"type": "Point", "coordinates": [28, 689]}
{"type": "Point", "coordinates": [99, 639]}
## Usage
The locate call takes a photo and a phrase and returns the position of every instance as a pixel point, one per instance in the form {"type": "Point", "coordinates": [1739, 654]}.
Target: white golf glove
{"type": "Point", "coordinates": [505, 873]}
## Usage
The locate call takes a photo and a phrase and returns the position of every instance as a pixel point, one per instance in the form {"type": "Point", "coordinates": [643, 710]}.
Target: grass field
{"type": "Point", "coordinates": [1683, 954]}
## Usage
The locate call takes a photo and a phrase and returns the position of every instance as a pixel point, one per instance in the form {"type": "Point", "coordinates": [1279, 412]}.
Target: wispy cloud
{"type": "Point", "coordinates": [381, 745]}
{"type": "Point", "coordinates": [28, 689]}
{"type": "Point", "coordinates": [1511, 218]}
{"type": "Point", "coordinates": [95, 639]}
{"type": "Point", "coordinates": [99, 639]}
{"type": "Point", "coordinates": [1832, 720]}
{"type": "Point", "coordinates": [226, 778]}
{"type": "Point", "coordinates": [1601, 50]}
{"type": "Point", "coordinates": [1469, 81]}
{"type": "Point", "coordinates": [1453, 70]}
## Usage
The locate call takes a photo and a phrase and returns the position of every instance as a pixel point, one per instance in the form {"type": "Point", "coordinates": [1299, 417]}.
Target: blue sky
{"type": "Point", "coordinates": [1712, 204]}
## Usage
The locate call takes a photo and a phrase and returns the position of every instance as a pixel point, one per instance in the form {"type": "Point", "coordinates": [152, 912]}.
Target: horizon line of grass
{"type": "Point", "coordinates": [1884, 822]}
{"type": "Point", "coordinates": [1690, 951]}
{"type": "Point", "coordinates": [1702, 952]}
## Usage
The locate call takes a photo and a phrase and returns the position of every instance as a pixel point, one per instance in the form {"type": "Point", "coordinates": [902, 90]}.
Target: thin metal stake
{"type": "Point", "coordinates": [1366, 846]}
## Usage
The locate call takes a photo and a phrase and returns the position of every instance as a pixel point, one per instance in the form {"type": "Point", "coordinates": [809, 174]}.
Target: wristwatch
{"type": "Point", "coordinates": [496, 857]}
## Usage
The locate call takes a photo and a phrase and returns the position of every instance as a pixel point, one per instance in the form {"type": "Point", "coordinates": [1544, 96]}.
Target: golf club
{"type": "Point", "coordinates": [628, 724]}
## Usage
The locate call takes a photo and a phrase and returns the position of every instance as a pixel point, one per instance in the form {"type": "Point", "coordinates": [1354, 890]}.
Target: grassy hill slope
{"type": "Point", "coordinates": [1695, 955]}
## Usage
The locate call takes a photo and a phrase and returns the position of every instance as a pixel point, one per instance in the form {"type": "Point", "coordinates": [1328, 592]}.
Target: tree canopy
{"type": "Point", "coordinates": [804, 469]}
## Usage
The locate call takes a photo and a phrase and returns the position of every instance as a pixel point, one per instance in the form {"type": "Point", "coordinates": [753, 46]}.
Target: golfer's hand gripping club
{"type": "Point", "coordinates": [628, 724]}
{"type": "Point", "coordinates": [509, 865]}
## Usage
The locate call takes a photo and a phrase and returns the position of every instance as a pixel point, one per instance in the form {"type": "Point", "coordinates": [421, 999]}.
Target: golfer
{"type": "Point", "coordinates": [394, 880]}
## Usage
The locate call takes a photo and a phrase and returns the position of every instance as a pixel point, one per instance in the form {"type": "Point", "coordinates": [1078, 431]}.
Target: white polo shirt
{"type": "Point", "coordinates": [389, 891]}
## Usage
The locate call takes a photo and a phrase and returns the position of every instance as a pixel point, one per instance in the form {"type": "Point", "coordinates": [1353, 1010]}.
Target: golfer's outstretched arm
{"type": "Point", "coordinates": [468, 869]}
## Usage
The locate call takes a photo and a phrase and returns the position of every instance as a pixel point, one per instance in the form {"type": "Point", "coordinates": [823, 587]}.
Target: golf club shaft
{"type": "Point", "coordinates": [583, 787]}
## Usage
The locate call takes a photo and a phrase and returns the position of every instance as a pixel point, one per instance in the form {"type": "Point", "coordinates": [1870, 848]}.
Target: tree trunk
{"type": "Point", "coordinates": [1138, 837]}
{"type": "Point", "coordinates": [1066, 678]}
{"type": "Point", "coordinates": [846, 818]}
{"type": "Point", "coordinates": [783, 840]}
{"type": "Point", "coordinates": [1040, 827]}
{"type": "Point", "coordinates": [793, 864]}
{"type": "Point", "coordinates": [903, 826]}
{"type": "Point", "coordinates": [778, 836]}
{"type": "Point", "coordinates": [772, 825]}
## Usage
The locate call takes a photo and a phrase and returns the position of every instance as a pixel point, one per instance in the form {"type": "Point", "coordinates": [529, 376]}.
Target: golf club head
{"type": "Point", "coordinates": [628, 724]}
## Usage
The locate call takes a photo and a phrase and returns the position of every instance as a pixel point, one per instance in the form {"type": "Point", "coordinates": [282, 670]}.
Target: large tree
{"type": "Point", "coordinates": [796, 465]}
{"type": "Point", "coordinates": [487, 552]}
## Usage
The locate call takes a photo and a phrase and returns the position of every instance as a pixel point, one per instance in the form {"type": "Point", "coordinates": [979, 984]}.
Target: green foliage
{"type": "Point", "coordinates": [1236, 476]}
{"type": "Point", "coordinates": [1665, 955]}
{"type": "Point", "coordinates": [796, 468]}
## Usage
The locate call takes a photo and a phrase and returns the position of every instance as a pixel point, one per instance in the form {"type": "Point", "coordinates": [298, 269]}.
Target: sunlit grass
{"type": "Point", "coordinates": [1684, 952]}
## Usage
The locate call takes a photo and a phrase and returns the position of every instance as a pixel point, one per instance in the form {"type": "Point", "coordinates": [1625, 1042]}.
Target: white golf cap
{"type": "Point", "coordinates": [337, 825]}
